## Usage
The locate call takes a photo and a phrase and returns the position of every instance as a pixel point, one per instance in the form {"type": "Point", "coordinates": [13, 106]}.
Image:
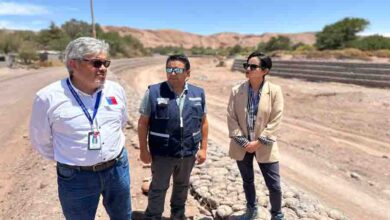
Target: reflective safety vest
{"type": "Point", "coordinates": [166, 135]}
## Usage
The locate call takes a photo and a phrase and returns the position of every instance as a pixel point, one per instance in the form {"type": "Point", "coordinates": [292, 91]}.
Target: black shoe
{"type": "Point", "coordinates": [250, 214]}
{"type": "Point", "coordinates": [279, 216]}
{"type": "Point", "coordinates": [178, 217]}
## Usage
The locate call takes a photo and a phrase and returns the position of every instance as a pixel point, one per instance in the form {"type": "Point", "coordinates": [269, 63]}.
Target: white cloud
{"type": "Point", "coordinates": [12, 8]}
{"type": "Point", "coordinates": [4, 24]}
{"type": "Point", "coordinates": [374, 33]}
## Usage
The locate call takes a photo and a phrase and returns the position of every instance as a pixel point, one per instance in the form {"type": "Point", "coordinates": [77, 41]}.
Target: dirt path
{"type": "Point", "coordinates": [334, 140]}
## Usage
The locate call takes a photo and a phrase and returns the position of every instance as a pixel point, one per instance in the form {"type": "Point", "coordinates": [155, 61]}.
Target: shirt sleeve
{"type": "Point", "coordinates": [265, 141]}
{"type": "Point", "coordinates": [204, 104]}
{"type": "Point", "coordinates": [241, 140]}
{"type": "Point", "coordinates": [40, 129]}
{"type": "Point", "coordinates": [145, 107]}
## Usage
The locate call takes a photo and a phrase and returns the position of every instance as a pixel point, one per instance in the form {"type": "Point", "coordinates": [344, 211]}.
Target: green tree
{"type": "Point", "coordinates": [53, 38]}
{"type": "Point", "coordinates": [278, 43]}
{"type": "Point", "coordinates": [374, 42]}
{"type": "Point", "coordinates": [168, 50]}
{"type": "Point", "coordinates": [261, 46]}
{"type": "Point", "coordinates": [9, 43]}
{"type": "Point", "coordinates": [126, 46]}
{"type": "Point", "coordinates": [339, 34]}
{"type": "Point", "coordinates": [133, 47]}
{"type": "Point", "coordinates": [77, 28]}
{"type": "Point", "coordinates": [237, 49]}
{"type": "Point", "coordinates": [27, 52]}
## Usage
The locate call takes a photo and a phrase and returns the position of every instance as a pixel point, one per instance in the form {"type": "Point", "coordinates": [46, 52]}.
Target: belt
{"type": "Point", "coordinates": [97, 167]}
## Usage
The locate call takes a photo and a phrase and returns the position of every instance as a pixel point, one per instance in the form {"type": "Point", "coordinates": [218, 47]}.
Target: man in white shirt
{"type": "Point", "coordinates": [78, 122]}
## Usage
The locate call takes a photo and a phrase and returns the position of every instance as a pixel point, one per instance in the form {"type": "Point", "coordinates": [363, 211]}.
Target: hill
{"type": "Point", "coordinates": [167, 37]}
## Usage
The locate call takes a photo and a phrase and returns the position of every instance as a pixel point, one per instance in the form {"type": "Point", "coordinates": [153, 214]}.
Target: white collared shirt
{"type": "Point", "coordinates": [59, 128]}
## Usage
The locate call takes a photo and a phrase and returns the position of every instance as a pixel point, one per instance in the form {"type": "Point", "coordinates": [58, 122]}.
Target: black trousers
{"type": "Point", "coordinates": [271, 176]}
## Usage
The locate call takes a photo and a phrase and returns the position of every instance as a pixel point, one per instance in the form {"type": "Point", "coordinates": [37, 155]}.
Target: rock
{"type": "Point", "coordinates": [213, 203]}
{"type": "Point", "coordinates": [42, 185]}
{"type": "Point", "coordinates": [335, 214]}
{"type": "Point", "coordinates": [291, 203]}
{"type": "Point", "coordinates": [193, 178]}
{"type": "Point", "coordinates": [227, 201]}
{"type": "Point", "coordinates": [204, 211]}
{"type": "Point", "coordinates": [224, 211]}
{"type": "Point", "coordinates": [135, 146]}
{"type": "Point", "coordinates": [289, 214]}
{"type": "Point", "coordinates": [264, 213]}
{"type": "Point", "coordinates": [355, 175]}
{"type": "Point", "coordinates": [301, 213]}
{"type": "Point", "coordinates": [203, 217]}
{"type": "Point", "coordinates": [217, 185]}
{"type": "Point", "coordinates": [238, 207]}
{"type": "Point", "coordinates": [320, 209]}
{"type": "Point", "coordinates": [262, 201]}
{"type": "Point", "coordinates": [202, 191]}
{"type": "Point", "coordinates": [289, 194]}
{"type": "Point", "coordinates": [206, 177]}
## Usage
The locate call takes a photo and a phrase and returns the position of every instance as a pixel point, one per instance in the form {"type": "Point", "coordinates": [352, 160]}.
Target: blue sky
{"type": "Point", "coordinates": [199, 16]}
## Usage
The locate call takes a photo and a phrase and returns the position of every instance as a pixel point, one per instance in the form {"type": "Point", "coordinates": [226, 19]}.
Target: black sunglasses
{"type": "Point", "coordinates": [98, 63]}
{"type": "Point", "coordinates": [251, 66]}
{"type": "Point", "coordinates": [177, 70]}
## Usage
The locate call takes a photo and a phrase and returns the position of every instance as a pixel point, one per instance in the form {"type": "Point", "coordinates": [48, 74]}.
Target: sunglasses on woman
{"type": "Point", "coordinates": [251, 66]}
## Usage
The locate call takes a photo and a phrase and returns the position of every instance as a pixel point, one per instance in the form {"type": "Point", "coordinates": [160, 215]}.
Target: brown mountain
{"type": "Point", "coordinates": [155, 38]}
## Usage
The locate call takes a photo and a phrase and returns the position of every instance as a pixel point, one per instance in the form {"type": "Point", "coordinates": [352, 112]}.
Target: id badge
{"type": "Point", "coordinates": [94, 140]}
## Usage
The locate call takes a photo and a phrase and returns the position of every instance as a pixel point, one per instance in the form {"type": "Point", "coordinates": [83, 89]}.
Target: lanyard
{"type": "Point", "coordinates": [81, 104]}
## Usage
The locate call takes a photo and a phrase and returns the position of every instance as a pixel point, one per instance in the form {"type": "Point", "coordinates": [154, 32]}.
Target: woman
{"type": "Point", "coordinates": [254, 114]}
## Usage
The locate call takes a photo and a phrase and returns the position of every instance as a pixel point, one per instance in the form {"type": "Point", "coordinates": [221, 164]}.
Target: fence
{"type": "Point", "coordinates": [367, 74]}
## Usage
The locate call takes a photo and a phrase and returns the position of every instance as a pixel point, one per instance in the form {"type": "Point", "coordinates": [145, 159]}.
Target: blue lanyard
{"type": "Point", "coordinates": [81, 104]}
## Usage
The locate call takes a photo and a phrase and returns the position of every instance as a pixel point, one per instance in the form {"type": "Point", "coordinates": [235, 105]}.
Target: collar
{"type": "Point", "coordinates": [250, 89]}
{"type": "Point", "coordinates": [83, 93]}
{"type": "Point", "coordinates": [265, 88]}
{"type": "Point", "coordinates": [184, 90]}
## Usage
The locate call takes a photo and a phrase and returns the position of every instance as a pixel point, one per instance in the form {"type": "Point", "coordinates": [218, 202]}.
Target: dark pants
{"type": "Point", "coordinates": [271, 176]}
{"type": "Point", "coordinates": [79, 191]}
{"type": "Point", "coordinates": [162, 170]}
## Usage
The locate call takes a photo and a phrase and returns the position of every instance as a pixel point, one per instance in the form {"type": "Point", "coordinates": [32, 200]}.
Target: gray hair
{"type": "Point", "coordinates": [84, 46]}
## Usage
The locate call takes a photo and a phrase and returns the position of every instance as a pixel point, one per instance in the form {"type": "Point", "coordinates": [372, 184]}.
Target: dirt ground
{"type": "Point", "coordinates": [334, 141]}
{"type": "Point", "coordinates": [335, 138]}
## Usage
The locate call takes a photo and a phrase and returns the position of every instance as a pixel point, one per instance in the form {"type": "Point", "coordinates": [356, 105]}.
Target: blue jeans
{"type": "Point", "coordinates": [271, 176]}
{"type": "Point", "coordinates": [79, 191]}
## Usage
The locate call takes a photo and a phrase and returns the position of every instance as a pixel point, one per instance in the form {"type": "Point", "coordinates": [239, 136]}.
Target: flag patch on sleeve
{"type": "Point", "coordinates": [111, 100]}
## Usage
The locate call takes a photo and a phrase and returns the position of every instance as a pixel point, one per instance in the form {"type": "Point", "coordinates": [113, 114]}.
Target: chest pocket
{"type": "Point", "coordinates": [162, 111]}
{"type": "Point", "coordinates": [110, 115]}
{"type": "Point", "coordinates": [197, 109]}
{"type": "Point", "coordinates": [72, 120]}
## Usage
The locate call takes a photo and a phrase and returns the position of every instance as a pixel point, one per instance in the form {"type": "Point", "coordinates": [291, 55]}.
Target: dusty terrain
{"type": "Point", "coordinates": [167, 37]}
{"type": "Point", "coordinates": [334, 141]}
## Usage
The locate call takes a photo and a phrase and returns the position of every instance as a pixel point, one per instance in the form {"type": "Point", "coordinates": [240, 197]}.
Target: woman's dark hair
{"type": "Point", "coordinates": [265, 61]}
{"type": "Point", "coordinates": [181, 58]}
